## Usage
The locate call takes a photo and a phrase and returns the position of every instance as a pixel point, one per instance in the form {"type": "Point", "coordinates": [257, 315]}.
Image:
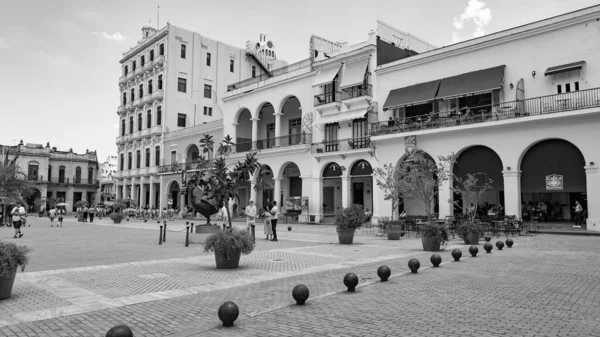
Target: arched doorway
{"type": "Point", "coordinates": [480, 159]}
{"type": "Point", "coordinates": [33, 200]}
{"type": "Point", "coordinates": [361, 180]}
{"type": "Point", "coordinates": [243, 132]}
{"type": "Point", "coordinates": [173, 195]}
{"type": "Point", "coordinates": [291, 123]}
{"type": "Point", "coordinates": [332, 189]}
{"type": "Point", "coordinates": [292, 189]}
{"type": "Point", "coordinates": [192, 155]}
{"type": "Point", "coordinates": [266, 127]}
{"type": "Point", "coordinates": [416, 207]}
{"type": "Point", "coordinates": [265, 197]}
{"type": "Point", "coordinates": [552, 174]}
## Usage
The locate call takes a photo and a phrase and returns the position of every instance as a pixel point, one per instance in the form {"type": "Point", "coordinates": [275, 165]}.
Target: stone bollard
{"type": "Point", "coordinates": [228, 313]}
{"type": "Point", "coordinates": [414, 265]}
{"type": "Point", "coordinates": [384, 273]}
{"type": "Point", "coordinates": [473, 250]}
{"type": "Point", "coordinates": [165, 232]}
{"type": "Point", "coordinates": [187, 236]}
{"type": "Point", "coordinates": [456, 254]}
{"type": "Point", "coordinates": [351, 281]}
{"type": "Point", "coordinates": [160, 235]}
{"type": "Point", "coordinates": [435, 259]}
{"type": "Point", "coordinates": [300, 294]}
{"type": "Point", "coordinates": [120, 331]}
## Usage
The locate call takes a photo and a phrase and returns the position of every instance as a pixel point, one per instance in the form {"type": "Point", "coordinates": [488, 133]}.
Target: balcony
{"type": "Point", "coordinates": [170, 168]}
{"type": "Point", "coordinates": [156, 130]}
{"type": "Point", "coordinates": [158, 95]}
{"type": "Point", "coordinates": [138, 71]}
{"type": "Point", "coordinates": [129, 106]}
{"type": "Point", "coordinates": [59, 181]}
{"type": "Point", "coordinates": [147, 99]}
{"type": "Point", "coordinates": [341, 145]}
{"type": "Point", "coordinates": [159, 61]}
{"type": "Point", "coordinates": [121, 109]}
{"type": "Point", "coordinates": [327, 98]}
{"type": "Point", "coordinates": [536, 106]}
{"type": "Point", "coordinates": [272, 143]}
{"type": "Point", "coordinates": [290, 68]}
{"type": "Point", "coordinates": [137, 102]}
{"type": "Point", "coordinates": [357, 92]}
{"type": "Point", "coordinates": [122, 139]}
{"type": "Point", "coordinates": [78, 181]}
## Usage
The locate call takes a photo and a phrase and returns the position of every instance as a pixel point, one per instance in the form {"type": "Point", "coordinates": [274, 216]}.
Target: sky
{"type": "Point", "coordinates": [59, 59]}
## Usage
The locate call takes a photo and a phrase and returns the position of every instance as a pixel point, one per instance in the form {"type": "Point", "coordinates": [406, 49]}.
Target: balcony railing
{"type": "Point", "coordinates": [277, 72]}
{"type": "Point", "coordinates": [357, 91]}
{"type": "Point", "coordinates": [283, 141]}
{"type": "Point", "coordinates": [329, 97]}
{"type": "Point", "coordinates": [157, 94]}
{"type": "Point", "coordinates": [349, 144]}
{"type": "Point", "coordinates": [488, 113]}
{"type": "Point", "coordinates": [157, 129]}
{"type": "Point", "coordinates": [138, 71]}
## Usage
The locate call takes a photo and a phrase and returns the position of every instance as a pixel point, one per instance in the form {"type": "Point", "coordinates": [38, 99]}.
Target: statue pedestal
{"type": "Point", "coordinates": [201, 232]}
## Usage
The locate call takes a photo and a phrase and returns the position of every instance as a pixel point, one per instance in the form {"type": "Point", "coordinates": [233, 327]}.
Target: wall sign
{"type": "Point", "coordinates": [410, 143]}
{"type": "Point", "coordinates": [554, 182]}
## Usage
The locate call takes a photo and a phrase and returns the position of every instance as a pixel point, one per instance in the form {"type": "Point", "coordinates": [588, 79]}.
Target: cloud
{"type": "Point", "coordinates": [475, 12]}
{"type": "Point", "coordinates": [115, 37]}
{"type": "Point", "coordinates": [3, 44]}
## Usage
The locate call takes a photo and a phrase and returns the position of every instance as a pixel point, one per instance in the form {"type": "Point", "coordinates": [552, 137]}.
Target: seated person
{"type": "Point", "coordinates": [391, 122]}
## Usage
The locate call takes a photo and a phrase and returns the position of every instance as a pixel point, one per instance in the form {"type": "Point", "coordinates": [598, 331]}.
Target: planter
{"type": "Point", "coordinates": [223, 263]}
{"type": "Point", "coordinates": [6, 284]}
{"type": "Point", "coordinates": [431, 244]}
{"type": "Point", "coordinates": [394, 232]}
{"type": "Point", "coordinates": [471, 239]}
{"type": "Point", "coordinates": [346, 236]}
{"type": "Point", "coordinates": [80, 218]}
{"type": "Point", "coordinates": [117, 220]}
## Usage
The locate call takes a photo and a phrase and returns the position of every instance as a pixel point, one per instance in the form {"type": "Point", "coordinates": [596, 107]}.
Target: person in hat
{"type": "Point", "coordinates": [18, 214]}
{"type": "Point", "coordinates": [250, 215]}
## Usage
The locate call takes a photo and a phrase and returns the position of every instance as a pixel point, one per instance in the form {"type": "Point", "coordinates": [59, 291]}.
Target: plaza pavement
{"type": "Point", "coordinates": [85, 278]}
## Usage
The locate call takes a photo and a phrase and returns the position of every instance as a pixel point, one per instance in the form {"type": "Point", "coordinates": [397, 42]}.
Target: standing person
{"type": "Point", "coordinates": [85, 213]}
{"type": "Point", "coordinates": [18, 214]}
{"type": "Point", "coordinates": [268, 229]}
{"type": "Point", "coordinates": [51, 215]}
{"type": "Point", "coordinates": [274, 212]}
{"type": "Point", "coordinates": [61, 214]}
{"type": "Point", "coordinates": [92, 212]}
{"type": "Point", "coordinates": [578, 214]}
{"type": "Point", "coordinates": [250, 216]}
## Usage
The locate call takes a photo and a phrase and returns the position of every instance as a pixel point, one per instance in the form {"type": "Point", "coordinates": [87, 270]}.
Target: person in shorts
{"type": "Point", "coordinates": [92, 212]}
{"type": "Point", "coordinates": [61, 214]}
{"type": "Point", "coordinates": [18, 214]}
{"type": "Point", "coordinates": [52, 215]}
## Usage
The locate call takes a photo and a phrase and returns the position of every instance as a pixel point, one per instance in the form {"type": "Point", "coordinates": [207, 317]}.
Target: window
{"type": "Point", "coordinates": [161, 49]}
{"type": "Point", "coordinates": [331, 137]}
{"type": "Point", "coordinates": [210, 111]}
{"type": "Point", "coordinates": [181, 120]}
{"type": "Point", "coordinates": [138, 155]}
{"type": "Point", "coordinates": [61, 196]}
{"type": "Point", "coordinates": [231, 65]}
{"type": "Point", "coordinates": [131, 124]}
{"type": "Point", "coordinates": [133, 66]}
{"type": "Point", "coordinates": [32, 173]}
{"type": "Point", "coordinates": [132, 94]}
{"type": "Point", "coordinates": [173, 157]}
{"type": "Point", "coordinates": [152, 55]}
{"type": "Point", "coordinates": [157, 155]}
{"type": "Point", "coordinates": [207, 91]}
{"type": "Point", "coordinates": [568, 87]}
{"type": "Point", "coordinates": [78, 175]}
{"type": "Point", "coordinates": [207, 111]}
{"type": "Point", "coordinates": [125, 70]}
{"type": "Point", "coordinates": [49, 173]}
{"type": "Point", "coordinates": [159, 115]}
{"type": "Point", "coordinates": [122, 127]}
{"type": "Point", "coordinates": [159, 82]}
{"type": "Point", "coordinates": [576, 86]}
{"type": "Point", "coordinates": [253, 71]}
{"type": "Point", "coordinates": [142, 60]}
{"type": "Point", "coordinates": [141, 91]}
{"type": "Point", "coordinates": [61, 174]}
{"type": "Point", "coordinates": [90, 175]}
{"type": "Point", "coordinates": [181, 84]}
{"type": "Point", "coordinates": [147, 157]}
{"type": "Point", "coordinates": [124, 98]}
{"type": "Point", "coordinates": [183, 51]}
{"type": "Point", "coordinates": [149, 119]}
{"type": "Point", "coordinates": [270, 135]}
{"type": "Point", "coordinates": [122, 162]}
{"type": "Point", "coordinates": [295, 130]}
{"type": "Point", "coordinates": [129, 160]}
{"type": "Point", "coordinates": [139, 122]}
{"type": "Point", "coordinates": [208, 59]}
{"type": "Point", "coordinates": [559, 89]}
{"type": "Point", "coordinates": [149, 87]}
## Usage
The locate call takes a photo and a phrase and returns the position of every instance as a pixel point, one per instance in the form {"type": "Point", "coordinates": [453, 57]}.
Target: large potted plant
{"type": "Point", "coordinates": [395, 229]}
{"type": "Point", "coordinates": [433, 237]}
{"type": "Point", "coordinates": [347, 221]}
{"type": "Point", "coordinates": [228, 246]}
{"type": "Point", "coordinates": [12, 256]}
{"type": "Point", "coordinates": [117, 214]}
{"type": "Point", "coordinates": [469, 232]}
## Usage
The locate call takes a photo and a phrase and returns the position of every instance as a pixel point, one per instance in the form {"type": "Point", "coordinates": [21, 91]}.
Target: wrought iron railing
{"type": "Point", "coordinates": [341, 145]}
{"type": "Point", "coordinates": [357, 91]}
{"type": "Point", "coordinates": [276, 72]}
{"type": "Point", "coordinates": [270, 143]}
{"type": "Point", "coordinates": [328, 97]}
{"type": "Point", "coordinates": [491, 112]}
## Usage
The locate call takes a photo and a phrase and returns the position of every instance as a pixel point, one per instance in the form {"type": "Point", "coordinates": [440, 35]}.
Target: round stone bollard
{"type": "Point", "coordinates": [289, 228]}
{"type": "Point", "coordinates": [120, 331]}
{"type": "Point", "coordinates": [414, 265]}
{"type": "Point", "coordinates": [473, 250]}
{"type": "Point", "coordinates": [228, 313]}
{"type": "Point", "coordinates": [499, 244]}
{"type": "Point", "coordinates": [488, 238]}
{"type": "Point", "coordinates": [300, 294]}
{"type": "Point", "coordinates": [488, 247]}
{"type": "Point", "coordinates": [456, 254]}
{"type": "Point", "coordinates": [509, 243]}
{"type": "Point", "coordinates": [435, 259]}
{"type": "Point", "coordinates": [384, 273]}
{"type": "Point", "coordinates": [351, 281]}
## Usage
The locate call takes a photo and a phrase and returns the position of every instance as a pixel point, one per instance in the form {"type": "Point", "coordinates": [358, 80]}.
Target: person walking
{"type": "Point", "coordinates": [250, 217]}
{"type": "Point", "coordinates": [51, 215]}
{"type": "Point", "coordinates": [274, 213]}
{"type": "Point", "coordinates": [578, 214]}
{"type": "Point", "coordinates": [61, 214]}
{"type": "Point", "coordinates": [268, 229]}
{"type": "Point", "coordinates": [92, 212]}
{"type": "Point", "coordinates": [85, 213]}
{"type": "Point", "coordinates": [18, 214]}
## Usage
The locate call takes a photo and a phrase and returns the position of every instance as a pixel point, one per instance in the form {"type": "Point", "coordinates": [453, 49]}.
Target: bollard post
{"type": "Point", "coordinates": [165, 233]}
{"type": "Point", "coordinates": [187, 223]}
{"type": "Point", "coordinates": [187, 236]}
{"type": "Point", "coordinates": [160, 235]}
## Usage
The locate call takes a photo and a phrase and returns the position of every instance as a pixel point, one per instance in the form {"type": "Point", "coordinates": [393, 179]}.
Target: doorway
{"type": "Point", "coordinates": [359, 196]}
{"type": "Point", "coordinates": [328, 200]}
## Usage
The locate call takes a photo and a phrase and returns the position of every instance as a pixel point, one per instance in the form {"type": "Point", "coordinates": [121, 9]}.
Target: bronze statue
{"type": "Point", "coordinates": [202, 203]}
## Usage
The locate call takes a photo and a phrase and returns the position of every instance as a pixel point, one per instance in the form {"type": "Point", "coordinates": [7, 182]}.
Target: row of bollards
{"type": "Point", "coordinates": [229, 311]}
{"type": "Point", "coordinates": [162, 235]}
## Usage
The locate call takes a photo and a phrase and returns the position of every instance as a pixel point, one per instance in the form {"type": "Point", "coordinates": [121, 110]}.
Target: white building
{"type": "Point", "coordinates": [108, 170]}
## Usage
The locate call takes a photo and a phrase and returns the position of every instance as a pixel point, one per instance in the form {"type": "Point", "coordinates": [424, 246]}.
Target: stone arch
{"type": "Point", "coordinates": [238, 114]}
{"type": "Point", "coordinates": [170, 184]}
{"type": "Point", "coordinates": [361, 167]}
{"type": "Point", "coordinates": [467, 147]}
{"type": "Point", "coordinates": [189, 151]}
{"type": "Point", "coordinates": [404, 156]}
{"type": "Point", "coordinates": [524, 152]}
{"type": "Point", "coordinates": [261, 106]}
{"type": "Point", "coordinates": [331, 170]}
{"type": "Point", "coordinates": [283, 167]}
{"type": "Point", "coordinates": [285, 100]}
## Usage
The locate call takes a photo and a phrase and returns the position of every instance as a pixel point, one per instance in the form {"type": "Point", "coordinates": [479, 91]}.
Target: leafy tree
{"type": "Point", "coordinates": [389, 180]}
{"type": "Point", "coordinates": [13, 181]}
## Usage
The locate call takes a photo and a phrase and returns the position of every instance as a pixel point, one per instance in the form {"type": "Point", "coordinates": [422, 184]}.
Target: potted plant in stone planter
{"type": "Point", "coordinates": [395, 229]}
{"type": "Point", "coordinates": [470, 232]}
{"type": "Point", "coordinates": [228, 246]}
{"type": "Point", "coordinates": [433, 237]}
{"type": "Point", "coordinates": [117, 214]}
{"type": "Point", "coordinates": [347, 221]}
{"type": "Point", "coordinates": [12, 256]}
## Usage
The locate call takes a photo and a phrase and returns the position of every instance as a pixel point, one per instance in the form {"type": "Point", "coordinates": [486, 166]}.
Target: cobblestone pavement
{"type": "Point", "coordinates": [544, 286]}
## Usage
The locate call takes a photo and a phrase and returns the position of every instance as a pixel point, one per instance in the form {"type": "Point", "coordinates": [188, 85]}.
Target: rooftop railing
{"type": "Point", "coordinates": [491, 112]}
{"type": "Point", "coordinates": [276, 72]}
{"type": "Point", "coordinates": [275, 142]}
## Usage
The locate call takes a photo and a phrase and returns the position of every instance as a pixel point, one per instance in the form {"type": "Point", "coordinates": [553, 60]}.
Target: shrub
{"type": "Point", "coordinates": [436, 231]}
{"type": "Point", "coordinates": [229, 240]}
{"type": "Point", "coordinates": [118, 216]}
{"type": "Point", "coordinates": [352, 217]}
{"type": "Point", "coordinates": [467, 227]}
{"type": "Point", "coordinates": [12, 256]}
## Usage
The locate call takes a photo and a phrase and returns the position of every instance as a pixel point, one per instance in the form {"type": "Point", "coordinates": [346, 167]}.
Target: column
{"type": "Point", "coordinates": [512, 192]}
{"type": "Point", "coordinates": [346, 193]}
{"type": "Point", "coordinates": [234, 135]}
{"type": "Point", "coordinates": [69, 197]}
{"type": "Point", "coordinates": [381, 207]}
{"type": "Point", "coordinates": [119, 192]}
{"type": "Point", "coordinates": [253, 191]}
{"type": "Point", "coordinates": [306, 192]}
{"type": "Point", "coordinates": [316, 205]}
{"type": "Point", "coordinates": [277, 192]}
{"type": "Point", "coordinates": [254, 132]}
{"type": "Point", "coordinates": [132, 193]}
{"type": "Point", "coordinates": [592, 178]}
{"type": "Point", "coordinates": [143, 201]}
{"type": "Point", "coordinates": [446, 198]}
{"type": "Point", "coordinates": [152, 193]}
{"type": "Point", "coordinates": [181, 202]}
{"type": "Point", "coordinates": [278, 129]}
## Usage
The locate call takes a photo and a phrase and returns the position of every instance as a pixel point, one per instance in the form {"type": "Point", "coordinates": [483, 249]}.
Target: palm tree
{"type": "Point", "coordinates": [13, 182]}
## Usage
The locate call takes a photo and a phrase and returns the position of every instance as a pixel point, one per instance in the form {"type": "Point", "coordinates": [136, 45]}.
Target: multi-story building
{"type": "Point", "coordinates": [108, 170]}
{"type": "Point", "coordinates": [172, 83]}
{"type": "Point", "coordinates": [66, 176]}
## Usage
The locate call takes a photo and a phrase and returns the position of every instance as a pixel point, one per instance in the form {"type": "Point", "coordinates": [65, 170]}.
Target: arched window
{"type": "Point", "coordinates": [159, 82]}
{"type": "Point", "coordinates": [143, 60]}
{"type": "Point", "coordinates": [161, 49]}
{"type": "Point", "coordinates": [149, 119]}
{"type": "Point", "coordinates": [122, 127]}
{"type": "Point", "coordinates": [149, 86]}
{"type": "Point", "coordinates": [124, 98]}
{"type": "Point", "coordinates": [152, 55]}
{"type": "Point", "coordinates": [49, 178]}
{"type": "Point", "coordinates": [159, 115]}
{"type": "Point", "coordinates": [78, 175]}
{"type": "Point", "coordinates": [141, 90]}
{"type": "Point", "coordinates": [132, 94]}
{"type": "Point", "coordinates": [131, 124]}
{"type": "Point", "coordinates": [332, 170]}
{"type": "Point", "coordinates": [133, 66]}
{"type": "Point", "coordinates": [90, 175]}
{"type": "Point", "coordinates": [32, 172]}
{"type": "Point", "coordinates": [139, 122]}
{"type": "Point", "coordinates": [61, 174]}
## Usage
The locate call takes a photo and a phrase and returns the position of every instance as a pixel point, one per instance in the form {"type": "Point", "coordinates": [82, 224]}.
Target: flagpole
{"type": "Point", "coordinates": [158, 18]}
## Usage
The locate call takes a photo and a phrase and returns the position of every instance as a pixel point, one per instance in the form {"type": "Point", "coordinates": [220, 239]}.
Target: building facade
{"type": "Point", "coordinates": [108, 170]}
{"type": "Point", "coordinates": [172, 83]}
{"type": "Point", "coordinates": [63, 175]}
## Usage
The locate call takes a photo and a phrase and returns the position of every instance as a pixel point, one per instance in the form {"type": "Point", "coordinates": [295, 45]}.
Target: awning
{"type": "Point", "coordinates": [344, 116]}
{"type": "Point", "coordinates": [564, 67]}
{"type": "Point", "coordinates": [326, 76]}
{"type": "Point", "coordinates": [418, 93]}
{"type": "Point", "coordinates": [476, 82]}
{"type": "Point", "coordinates": [354, 73]}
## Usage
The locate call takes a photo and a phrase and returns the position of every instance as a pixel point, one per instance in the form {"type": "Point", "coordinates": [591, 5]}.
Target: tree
{"type": "Point", "coordinates": [389, 180]}
{"type": "Point", "coordinates": [13, 181]}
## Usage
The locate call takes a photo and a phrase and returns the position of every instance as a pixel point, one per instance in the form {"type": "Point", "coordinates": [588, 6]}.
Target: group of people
{"type": "Point", "coordinates": [56, 212]}
{"type": "Point", "coordinates": [270, 214]}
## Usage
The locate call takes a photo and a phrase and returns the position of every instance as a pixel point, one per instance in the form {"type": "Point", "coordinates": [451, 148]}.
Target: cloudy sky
{"type": "Point", "coordinates": [59, 64]}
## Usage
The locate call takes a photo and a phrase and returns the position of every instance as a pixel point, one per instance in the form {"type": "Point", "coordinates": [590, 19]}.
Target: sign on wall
{"type": "Point", "coordinates": [554, 182]}
{"type": "Point", "coordinates": [410, 143]}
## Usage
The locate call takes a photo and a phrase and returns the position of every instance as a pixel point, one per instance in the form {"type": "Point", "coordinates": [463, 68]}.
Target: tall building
{"type": "Point", "coordinates": [108, 170]}
{"type": "Point", "coordinates": [64, 175]}
{"type": "Point", "coordinates": [172, 83]}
